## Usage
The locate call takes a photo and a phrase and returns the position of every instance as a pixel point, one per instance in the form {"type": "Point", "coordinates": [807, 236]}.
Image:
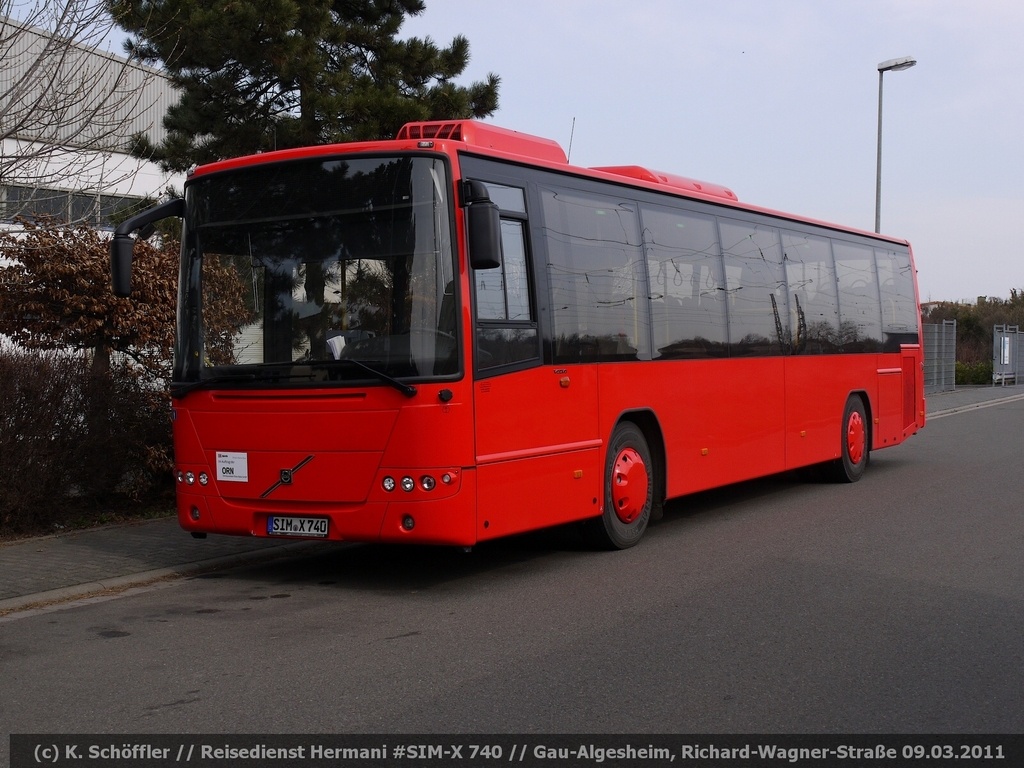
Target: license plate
{"type": "Point", "coordinates": [278, 525]}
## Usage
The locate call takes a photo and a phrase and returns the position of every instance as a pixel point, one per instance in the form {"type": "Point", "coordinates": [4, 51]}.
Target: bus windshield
{"type": "Point", "coordinates": [318, 270]}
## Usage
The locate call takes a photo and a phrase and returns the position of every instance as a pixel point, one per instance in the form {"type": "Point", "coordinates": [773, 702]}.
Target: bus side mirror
{"type": "Point", "coordinates": [484, 227]}
{"type": "Point", "coordinates": [121, 248]}
{"type": "Point", "coordinates": [123, 244]}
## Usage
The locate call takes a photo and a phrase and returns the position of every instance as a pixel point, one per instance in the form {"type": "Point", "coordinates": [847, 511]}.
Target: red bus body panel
{"type": "Point", "coordinates": [355, 438]}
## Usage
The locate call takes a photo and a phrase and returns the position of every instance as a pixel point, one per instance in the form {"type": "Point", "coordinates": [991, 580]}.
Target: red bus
{"type": "Point", "coordinates": [456, 335]}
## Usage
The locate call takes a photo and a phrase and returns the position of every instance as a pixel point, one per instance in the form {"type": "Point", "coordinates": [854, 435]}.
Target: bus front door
{"type": "Point", "coordinates": [537, 449]}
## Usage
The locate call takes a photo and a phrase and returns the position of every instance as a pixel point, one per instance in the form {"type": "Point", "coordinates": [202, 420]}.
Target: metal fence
{"type": "Point", "coordinates": [1006, 354]}
{"type": "Point", "coordinates": [940, 356]}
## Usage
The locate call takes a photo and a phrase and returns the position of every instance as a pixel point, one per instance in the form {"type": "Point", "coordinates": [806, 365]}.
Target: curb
{"type": "Point", "coordinates": [974, 406]}
{"type": "Point", "coordinates": [117, 583]}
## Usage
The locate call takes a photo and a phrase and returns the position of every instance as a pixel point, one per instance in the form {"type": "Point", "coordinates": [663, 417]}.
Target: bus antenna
{"type": "Point", "coordinates": [571, 132]}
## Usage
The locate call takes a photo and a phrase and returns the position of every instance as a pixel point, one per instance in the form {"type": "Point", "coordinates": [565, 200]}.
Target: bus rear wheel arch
{"type": "Point", "coordinates": [631, 487]}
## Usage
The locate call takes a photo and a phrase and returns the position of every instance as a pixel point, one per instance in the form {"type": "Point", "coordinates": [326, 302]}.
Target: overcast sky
{"type": "Point", "coordinates": [778, 100]}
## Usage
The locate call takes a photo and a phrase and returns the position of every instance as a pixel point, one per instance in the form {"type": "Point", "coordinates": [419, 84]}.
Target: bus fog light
{"type": "Point", "coordinates": [194, 513]}
{"type": "Point", "coordinates": [190, 478]}
{"type": "Point", "coordinates": [427, 483]}
{"type": "Point", "coordinates": [408, 484]}
{"type": "Point", "coordinates": [408, 523]}
{"type": "Point", "coordinates": [389, 484]}
{"type": "Point", "coordinates": [203, 478]}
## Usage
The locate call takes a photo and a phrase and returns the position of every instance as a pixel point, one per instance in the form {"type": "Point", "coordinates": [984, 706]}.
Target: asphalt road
{"type": "Point", "coordinates": [892, 605]}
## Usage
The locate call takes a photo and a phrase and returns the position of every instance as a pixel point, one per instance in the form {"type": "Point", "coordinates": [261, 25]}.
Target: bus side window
{"type": "Point", "coordinates": [896, 288]}
{"type": "Point", "coordinates": [684, 267]}
{"type": "Point", "coordinates": [506, 331]}
{"type": "Point", "coordinates": [758, 304]}
{"type": "Point", "coordinates": [596, 277]}
{"type": "Point", "coordinates": [859, 306]}
{"type": "Point", "coordinates": [811, 278]}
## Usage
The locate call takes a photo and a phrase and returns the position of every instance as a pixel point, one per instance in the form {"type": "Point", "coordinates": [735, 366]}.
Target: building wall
{"type": "Point", "coordinates": [65, 137]}
{"type": "Point", "coordinates": [80, 185]}
{"type": "Point", "coordinates": [138, 95]}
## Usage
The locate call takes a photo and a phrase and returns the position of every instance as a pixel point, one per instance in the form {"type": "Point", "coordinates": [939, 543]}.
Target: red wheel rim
{"type": "Point", "coordinates": [629, 485]}
{"type": "Point", "coordinates": [855, 437]}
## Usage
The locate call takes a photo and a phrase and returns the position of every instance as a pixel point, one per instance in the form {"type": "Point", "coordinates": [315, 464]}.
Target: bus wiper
{"type": "Point", "coordinates": [406, 389]}
{"type": "Point", "coordinates": [179, 390]}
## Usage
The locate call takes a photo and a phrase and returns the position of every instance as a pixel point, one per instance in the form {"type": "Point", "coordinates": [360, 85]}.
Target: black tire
{"type": "Point", "coordinates": [629, 483]}
{"type": "Point", "coordinates": [855, 443]}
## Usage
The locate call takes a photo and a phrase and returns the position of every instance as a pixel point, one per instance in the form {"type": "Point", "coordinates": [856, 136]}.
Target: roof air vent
{"type": "Point", "coordinates": [670, 180]}
{"type": "Point", "coordinates": [477, 134]}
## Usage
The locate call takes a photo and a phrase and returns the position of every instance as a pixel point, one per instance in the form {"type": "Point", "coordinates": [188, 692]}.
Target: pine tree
{"type": "Point", "coordinates": [258, 75]}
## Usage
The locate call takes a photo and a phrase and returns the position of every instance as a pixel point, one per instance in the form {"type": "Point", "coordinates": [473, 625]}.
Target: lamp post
{"type": "Point", "coordinates": [892, 65]}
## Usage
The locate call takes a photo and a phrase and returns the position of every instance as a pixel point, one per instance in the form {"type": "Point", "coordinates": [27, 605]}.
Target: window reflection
{"type": "Point", "coordinates": [758, 309]}
{"type": "Point", "coordinates": [860, 327]}
{"type": "Point", "coordinates": [896, 291]}
{"type": "Point", "coordinates": [596, 277]}
{"type": "Point", "coordinates": [506, 332]}
{"type": "Point", "coordinates": [814, 308]}
{"type": "Point", "coordinates": [311, 262]}
{"type": "Point", "coordinates": [686, 284]}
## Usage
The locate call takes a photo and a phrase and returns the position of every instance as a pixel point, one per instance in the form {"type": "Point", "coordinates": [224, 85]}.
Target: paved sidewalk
{"type": "Point", "coordinates": [970, 398]}
{"type": "Point", "coordinates": [71, 565]}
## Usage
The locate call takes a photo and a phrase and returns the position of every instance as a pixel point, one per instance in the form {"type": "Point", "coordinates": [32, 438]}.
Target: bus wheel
{"type": "Point", "coordinates": [855, 448]}
{"type": "Point", "coordinates": [628, 491]}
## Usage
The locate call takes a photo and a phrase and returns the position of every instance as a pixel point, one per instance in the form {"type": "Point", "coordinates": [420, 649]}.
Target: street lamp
{"type": "Point", "coordinates": [892, 65]}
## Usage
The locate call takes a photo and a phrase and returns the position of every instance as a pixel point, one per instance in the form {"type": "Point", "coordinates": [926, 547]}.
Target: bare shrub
{"type": "Point", "coordinates": [72, 437]}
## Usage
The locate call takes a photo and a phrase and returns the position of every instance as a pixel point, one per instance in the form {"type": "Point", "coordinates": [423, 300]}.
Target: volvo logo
{"type": "Point", "coordinates": [286, 476]}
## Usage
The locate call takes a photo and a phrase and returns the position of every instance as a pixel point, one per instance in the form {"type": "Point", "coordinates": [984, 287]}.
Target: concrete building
{"type": "Point", "coordinates": [67, 117]}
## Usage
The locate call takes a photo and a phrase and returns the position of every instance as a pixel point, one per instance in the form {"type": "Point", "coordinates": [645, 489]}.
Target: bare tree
{"type": "Point", "coordinates": [68, 107]}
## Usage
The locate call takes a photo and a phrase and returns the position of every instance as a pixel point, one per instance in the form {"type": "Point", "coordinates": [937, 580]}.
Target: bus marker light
{"type": "Point", "coordinates": [704, 451]}
{"type": "Point", "coordinates": [446, 478]}
{"type": "Point", "coordinates": [408, 484]}
{"type": "Point", "coordinates": [389, 484]}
